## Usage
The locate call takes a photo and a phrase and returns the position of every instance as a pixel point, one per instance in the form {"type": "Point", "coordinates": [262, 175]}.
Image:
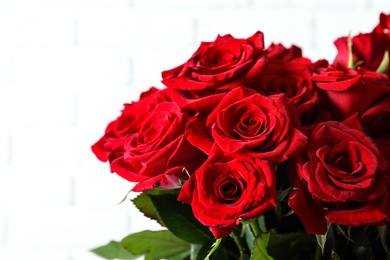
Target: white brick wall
{"type": "Point", "coordinates": [66, 67]}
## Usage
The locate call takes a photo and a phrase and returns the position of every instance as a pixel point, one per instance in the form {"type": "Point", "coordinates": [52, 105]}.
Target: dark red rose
{"type": "Point", "coordinates": [376, 119]}
{"type": "Point", "coordinates": [156, 155]}
{"type": "Point", "coordinates": [246, 122]}
{"type": "Point", "coordinates": [368, 51]}
{"type": "Point", "coordinates": [384, 25]}
{"type": "Point", "coordinates": [341, 176]}
{"type": "Point", "coordinates": [384, 147]}
{"type": "Point", "coordinates": [346, 92]}
{"type": "Point", "coordinates": [110, 146]}
{"type": "Point", "coordinates": [225, 191]}
{"type": "Point", "coordinates": [277, 52]}
{"type": "Point", "coordinates": [294, 80]}
{"type": "Point", "coordinates": [223, 64]}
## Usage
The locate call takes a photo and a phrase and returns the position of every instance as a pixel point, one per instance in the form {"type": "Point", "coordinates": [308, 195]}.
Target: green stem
{"type": "Point", "coordinates": [351, 63]}
{"type": "Point", "coordinates": [318, 254]}
{"type": "Point", "coordinates": [237, 239]}
{"type": "Point", "coordinates": [243, 229]}
{"type": "Point", "coordinates": [261, 222]}
{"type": "Point", "coordinates": [215, 247]}
{"type": "Point", "coordinates": [384, 66]}
{"type": "Point", "coordinates": [255, 227]}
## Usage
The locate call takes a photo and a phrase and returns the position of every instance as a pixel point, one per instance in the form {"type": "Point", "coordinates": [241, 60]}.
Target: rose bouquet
{"type": "Point", "coordinates": [260, 153]}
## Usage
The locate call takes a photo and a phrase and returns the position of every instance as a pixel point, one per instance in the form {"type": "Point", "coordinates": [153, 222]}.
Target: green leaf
{"type": "Point", "coordinates": [281, 194]}
{"type": "Point", "coordinates": [321, 239]}
{"type": "Point", "coordinates": [126, 196]}
{"type": "Point", "coordinates": [384, 66]}
{"type": "Point", "coordinates": [202, 252]}
{"type": "Point", "coordinates": [382, 231]}
{"type": "Point", "coordinates": [335, 256]}
{"type": "Point", "coordinates": [262, 225]}
{"type": "Point", "coordinates": [259, 251]}
{"type": "Point", "coordinates": [199, 252]}
{"type": "Point", "coordinates": [194, 250]}
{"type": "Point", "coordinates": [293, 245]}
{"type": "Point", "coordinates": [179, 219]}
{"type": "Point", "coordinates": [182, 256]}
{"type": "Point", "coordinates": [239, 240]}
{"type": "Point", "coordinates": [156, 245]}
{"type": "Point", "coordinates": [146, 206]}
{"type": "Point", "coordinates": [113, 250]}
{"type": "Point", "coordinates": [351, 63]}
{"type": "Point", "coordinates": [346, 235]}
{"type": "Point", "coordinates": [249, 235]}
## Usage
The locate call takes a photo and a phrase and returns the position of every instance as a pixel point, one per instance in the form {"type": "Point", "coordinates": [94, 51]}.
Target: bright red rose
{"type": "Point", "coordinates": [205, 104]}
{"type": "Point", "coordinates": [225, 191]}
{"type": "Point", "coordinates": [346, 92]}
{"type": "Point", "coordinates": [223, 64]}
{"type": "Point", "coordinates": [368, 51]}
{"type": "Point", "coordinates": [294, 80]}
{"type": "Point", "coordinates": [246, 122]}
{"type": "Point", "coordinates": [314, 67]}
{"type": "Point", "coordinates": [110, 146]}
{"type": "Point", "coordinates": [156, 155]}
{"type": "Point", "coordinates": [277, 52]}
{"type": "Point", "coordinates": [341, 175]}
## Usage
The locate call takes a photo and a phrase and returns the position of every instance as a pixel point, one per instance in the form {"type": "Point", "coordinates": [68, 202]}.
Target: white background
{"type": "Point", "coordinates": [66, 68]}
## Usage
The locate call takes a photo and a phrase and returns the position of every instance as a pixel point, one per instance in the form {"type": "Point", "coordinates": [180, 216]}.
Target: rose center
{"type": "Point", "coordinates": [344, 164]}
{"type": "Point", "coordinates": [288, 85]}
{"type": "Point", "coordinates": [249, 126]}
{"type": "Point", "coordinates": [156, 129]}
{"type": "Point", "coordinates": [217, 57]}
{"type": "Point", "coordinates": [229, 191]}
{"type": "Point", "coordinates": [282, 86]}
{"type": "Point", "coordinates": [248, 121]}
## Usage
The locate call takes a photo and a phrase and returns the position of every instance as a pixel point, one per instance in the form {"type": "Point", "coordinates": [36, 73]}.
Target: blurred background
{"type": "Point", "coordinates": [66, 68]}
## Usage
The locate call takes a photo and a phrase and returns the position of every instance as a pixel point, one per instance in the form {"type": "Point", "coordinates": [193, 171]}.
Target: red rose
{"type": "Point", "coordinates": [384, 147]}
{"type": "Point", "coordinates": [376, 119]}
{"type": "Point", "coordinates": [225, 63]}
{"type": "Point", "coordinates": [277, 52]}
{"type": "Point", "coordinates": [314, 67]}
{"type": "Point", "coordinates": [246, 122]}
{"type": "Point", "coordinates": [225, 191]}
{"type": "Point", "coordinates": [110, 146]}
{"type": "Point", "coordinates": [384, 25]}
{"type": "Point", "coordinates": [341, 175]}
{"type": "Point", "coordinates": [344, 93]}
{"type": "Point", "coordinates": [368, 51]}
{"type": "Point", "coordinates": [156, 155]}
{"type": "Point", "coordinates": [292, 79]}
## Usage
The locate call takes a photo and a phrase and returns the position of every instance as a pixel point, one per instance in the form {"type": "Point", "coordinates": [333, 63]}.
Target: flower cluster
{"type": "Point", "coordinates": [241, 130]}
